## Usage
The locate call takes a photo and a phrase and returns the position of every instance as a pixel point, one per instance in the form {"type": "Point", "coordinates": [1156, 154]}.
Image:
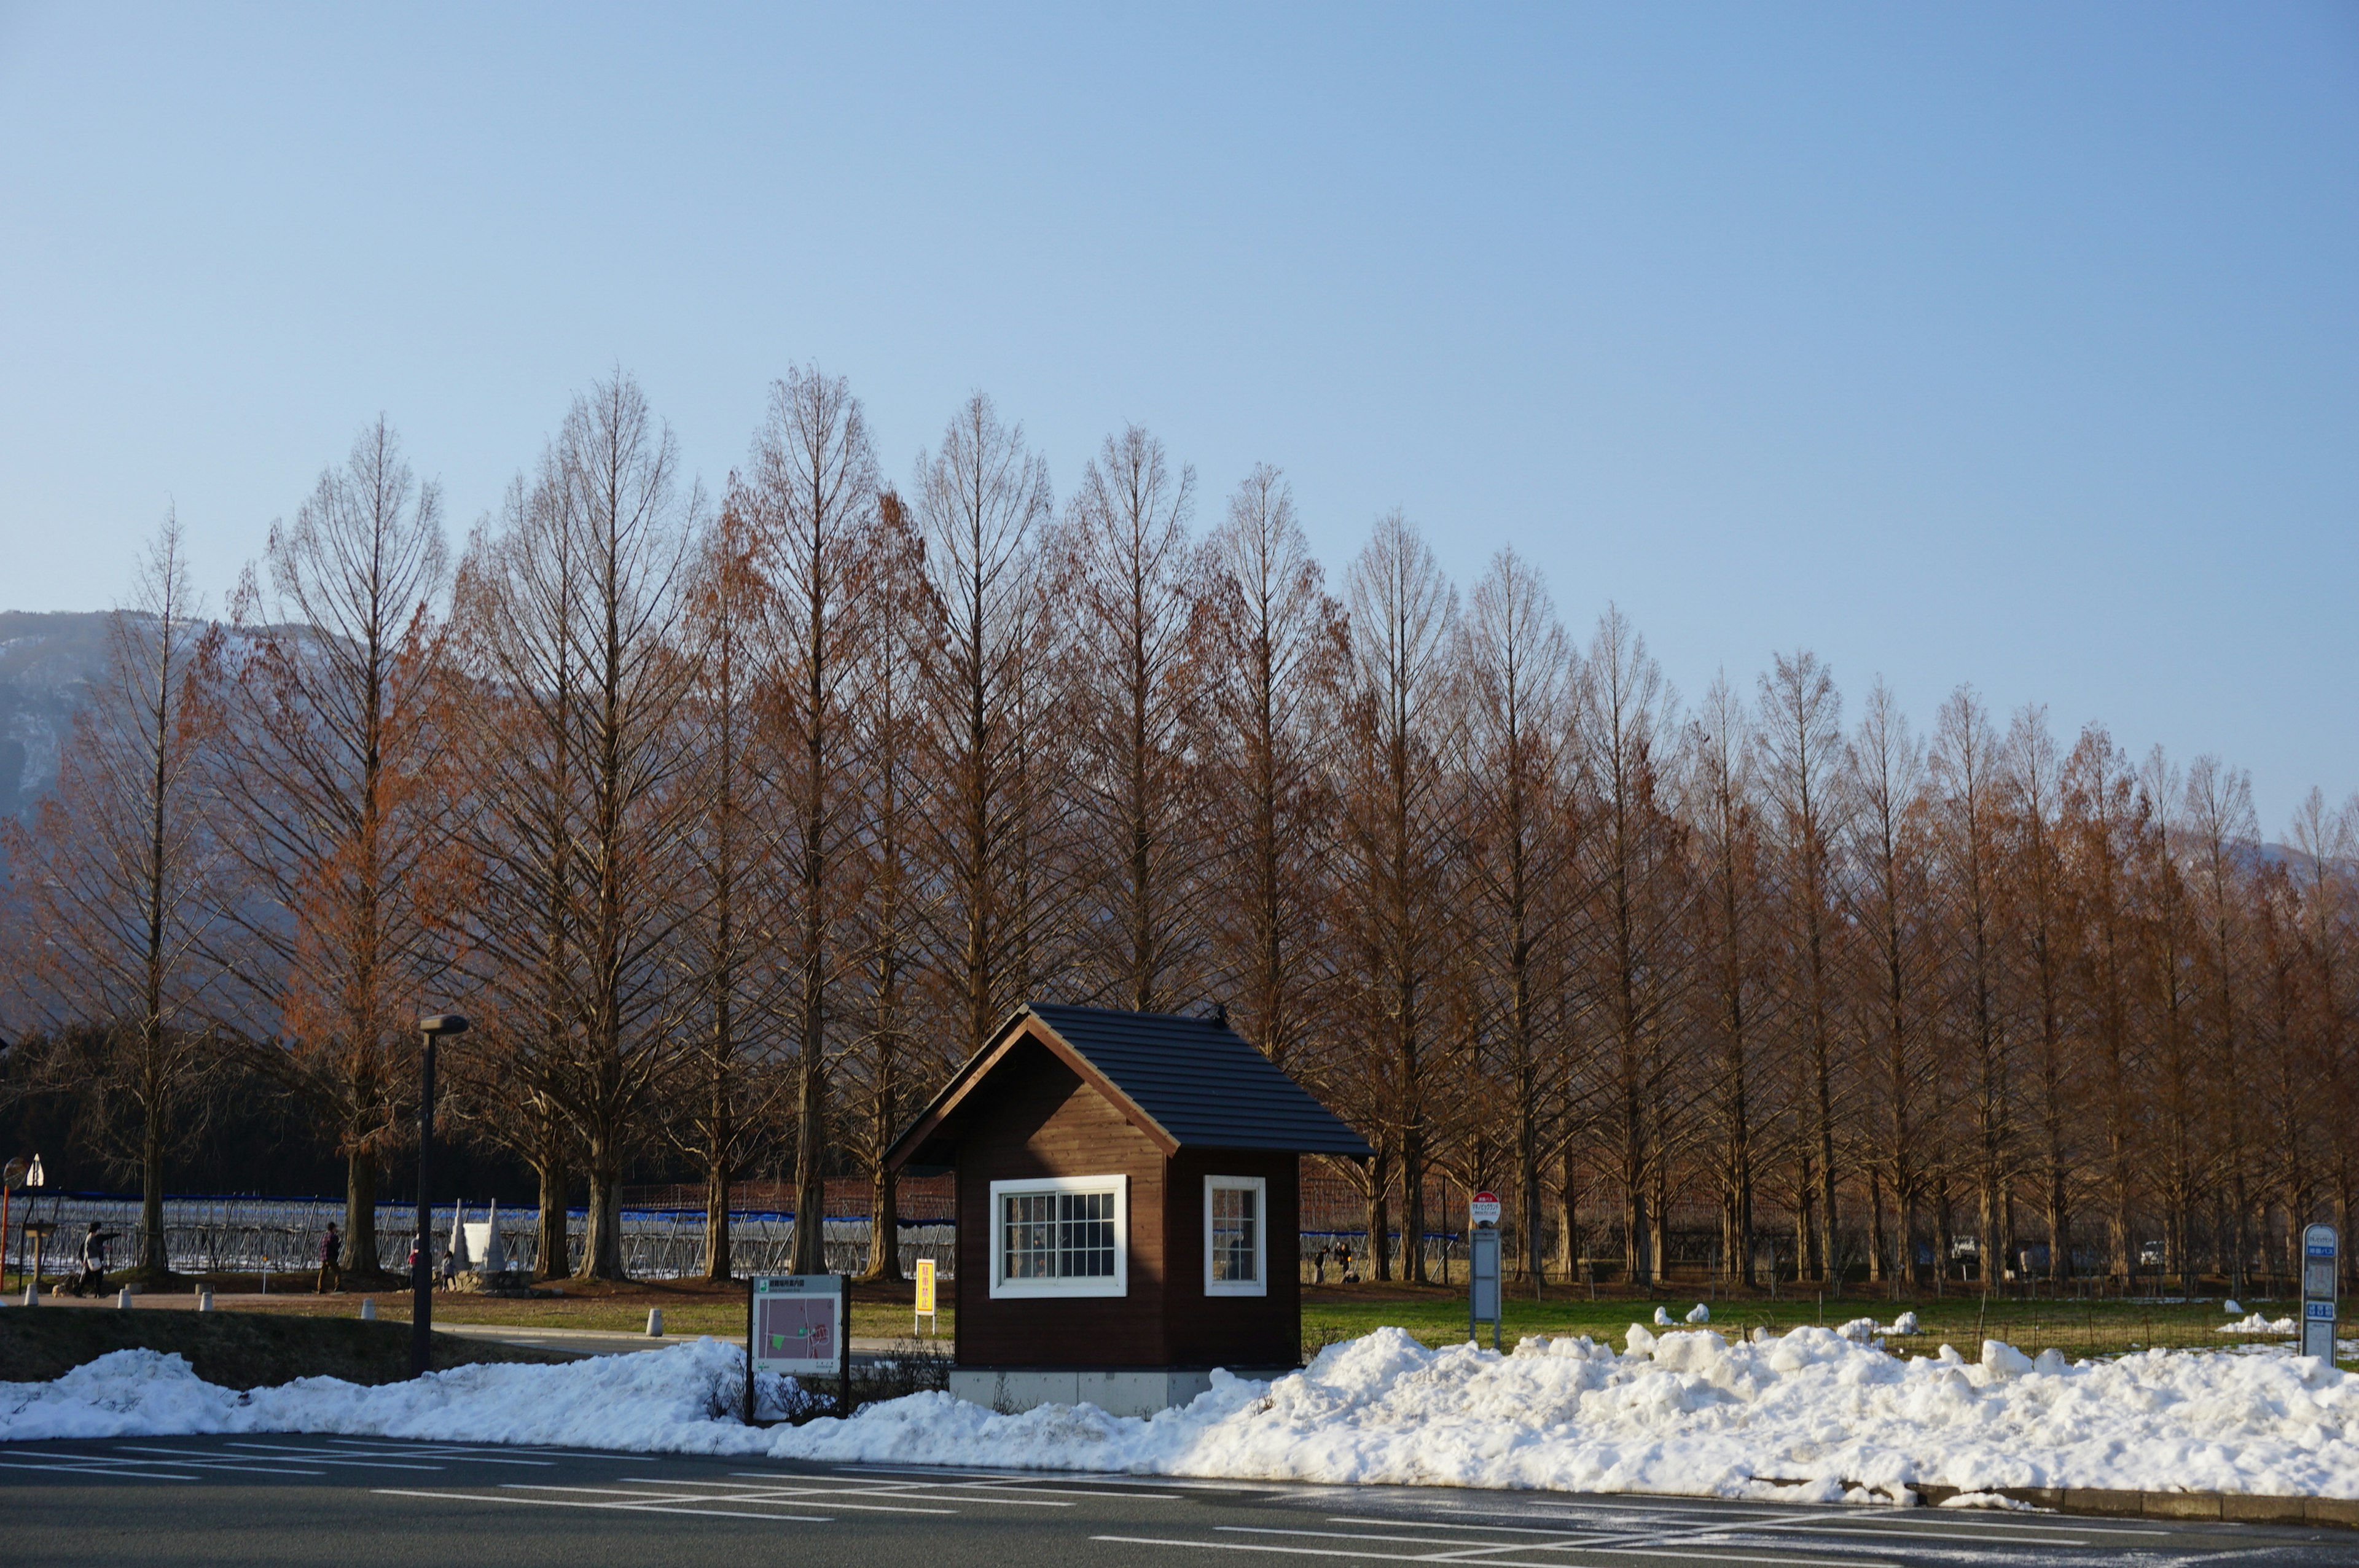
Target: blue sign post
{"type": "Point", "coordinates": [2321, 1272]}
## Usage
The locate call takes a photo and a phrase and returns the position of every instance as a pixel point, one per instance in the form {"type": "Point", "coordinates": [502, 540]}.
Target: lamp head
{"type": "Point", "coordinates": [443, 1024]}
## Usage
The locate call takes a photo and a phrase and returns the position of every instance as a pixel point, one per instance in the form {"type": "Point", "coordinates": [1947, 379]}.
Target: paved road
{"type": "Point", "coordinates": [365, 1502]}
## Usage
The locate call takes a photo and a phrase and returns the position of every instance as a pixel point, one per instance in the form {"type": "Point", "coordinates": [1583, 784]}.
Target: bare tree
{"type": "Point", "coordinates": [120, 880]}
{"type": "Point", "coordinates": [2034, 773]}
{"type": "Point", "coordinates": [893, 1066]}
{"type": "Point", "coordinates": [811, 493]}
{"type": "Point", "coordinates": [1637, 893]}
{"type": "Point", "coordinates": [1136, 591]}
{"type": "Point", "coordinates": [1731, 920]}
{"type": "Point", "coordinates": [2221, 835]}
{"type": "Point", "coordinates": [515, 608]}
{"type": "Point", "coordinates": [1970, 784]}
{"type": "Point", "coordinates": [1519, 678]}
{"type": "Point", "coordinates": [1801, 739]}
{"type": "Point", "coordinates": [1280, 643]}
{"type": "Point", "coordinates": [728, 1113]}
{"type": "Point", "coordinates": [2328, 843]}
{"type": "Point", "coordinates": [334, 770]}
{"type": "Point", "coordinates": [2103, 828]}
{"type": "Point", "coordinates": [978, 498]}
{"type": "Point", "coordinates": [577, 611]}
{"type": "Point", "coordinates": [1395, 851]}
{"type": "Point", "coordinates": [1892, 904]}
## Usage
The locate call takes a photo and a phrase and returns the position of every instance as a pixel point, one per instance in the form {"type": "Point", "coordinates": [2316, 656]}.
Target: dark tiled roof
{"type": "Point", "coordinates": [1201, 1082]}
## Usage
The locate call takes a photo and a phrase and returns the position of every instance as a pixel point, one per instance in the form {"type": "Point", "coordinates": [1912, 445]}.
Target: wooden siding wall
{"type": "Point", "coordinates": [1239, 1332]}
{"type": "Point", "coordinates": [1034, 1117]}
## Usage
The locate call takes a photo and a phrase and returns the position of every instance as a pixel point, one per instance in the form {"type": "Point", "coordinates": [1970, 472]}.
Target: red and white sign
{"type": "Point", "coordinates": [1484, 1209]}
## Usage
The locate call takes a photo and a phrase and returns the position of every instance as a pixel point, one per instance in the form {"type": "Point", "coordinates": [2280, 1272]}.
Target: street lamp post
{"type": "Point", "coordinates": [421, 1266]}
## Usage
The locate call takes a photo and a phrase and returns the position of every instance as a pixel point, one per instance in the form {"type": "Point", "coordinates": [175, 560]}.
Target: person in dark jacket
{"type": "Point", "coordinates": [93, 1261]}
{"type": "Point", "coordinates": [331, 1267]}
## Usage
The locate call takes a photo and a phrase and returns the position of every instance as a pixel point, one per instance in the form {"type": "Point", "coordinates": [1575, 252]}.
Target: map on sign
{"type": "Point", "coordinates": [798, 1323]}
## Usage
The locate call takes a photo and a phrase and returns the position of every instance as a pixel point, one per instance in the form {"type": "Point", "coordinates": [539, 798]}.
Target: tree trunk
{"type": "Point", "coordinates": [360, 1259]}
{"type": "Point", "coordinates": [553, 1245]}
{"type": "Point", "coordinates": [155, 1261]}
{"type": "Point", "coordinates": [716, 1218]}
{"type": "Point", "coordinates": [602, 1248]}
{"type": "Point", "coordinates": [884, 1224]}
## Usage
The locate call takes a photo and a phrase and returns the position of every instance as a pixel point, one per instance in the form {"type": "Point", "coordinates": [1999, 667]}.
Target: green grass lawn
{"type": "Point", "coordinates": [1438, 1317]}
{"type": "Point", "coordinates": [1433, 1315]}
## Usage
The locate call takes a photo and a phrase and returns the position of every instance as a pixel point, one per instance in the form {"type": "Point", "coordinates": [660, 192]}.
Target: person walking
{"type": "Point", "coordinates": [92, 1281]}
{"type": "Point", "coordinates": [331, 1268]}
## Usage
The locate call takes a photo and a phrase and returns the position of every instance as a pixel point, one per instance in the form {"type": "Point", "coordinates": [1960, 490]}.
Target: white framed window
{"type": "Point", "coordinates": [1236, 1216]}
{"type": "Point", "coordinates": [1061, 1236]}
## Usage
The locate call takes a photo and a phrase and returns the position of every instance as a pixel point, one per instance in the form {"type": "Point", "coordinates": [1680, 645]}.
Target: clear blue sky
{"type": "Point", "coordinates": [2017, 345]}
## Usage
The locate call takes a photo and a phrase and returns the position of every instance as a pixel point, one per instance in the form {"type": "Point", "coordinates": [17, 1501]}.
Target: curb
{"type": "Point", "coordinates": [2234, 1507]}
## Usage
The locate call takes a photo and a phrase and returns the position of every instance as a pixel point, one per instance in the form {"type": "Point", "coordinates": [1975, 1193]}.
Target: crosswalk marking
{"type": "Point", "coordinates": [146, 1473]}
{"type": "Point", "coordinates": [623, 1507]}
{"type": "Point", "coordinates": [906, 1489]}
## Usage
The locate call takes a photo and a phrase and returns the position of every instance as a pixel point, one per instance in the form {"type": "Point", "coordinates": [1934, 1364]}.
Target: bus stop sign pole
{"type": "Point", "coordinates": [2322, 1270]}
{"type": "Point", "coordinates": [1482, 1293]}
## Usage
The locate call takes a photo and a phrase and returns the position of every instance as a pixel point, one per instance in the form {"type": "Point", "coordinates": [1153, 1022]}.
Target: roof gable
{"type": "Point", "coordinates": [1187, 1082]}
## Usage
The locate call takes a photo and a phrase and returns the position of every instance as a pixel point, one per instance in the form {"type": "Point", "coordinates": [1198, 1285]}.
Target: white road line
{"type": "Point", "coordinates": [2052, 1525]}
{"type": "Point", "coordinates": [1287, 1551]}
{"type": "Point", "coordinates": [1563, 1542]}
{"type": "Point", "coordinates": [331, 1457]}
{"type": "Point", "coordinates": [735, 1495]}
{"type": "Point", "coordinates": [1912, 1533]}
{"type": "Point", "coordinates": [1444, 1524]}
{"type": "Point", "coordinates": [906, 1489]}
{"type": "Point", "coordinates": [468, 1454]}
{"type": "Point", "coordinates": [792, 1492]}
{"type": "Point", "coordinates": [617, 1508]}
{"type": "Point", "coordinates": [1593, 1542]}
{"type": "Point", "coordinates": [151, 1473]}
{"type": "Point", "coordinates": [524, 1454]}
{"type": "Point", "coordinates": [1094, 1481]}
{"type": "Point", "coordinates": [1497, 1563]}
{"type": "Point", "coordinates": [195, 1458]}
{"type": "Point", "coordinates": [1870, 1529]}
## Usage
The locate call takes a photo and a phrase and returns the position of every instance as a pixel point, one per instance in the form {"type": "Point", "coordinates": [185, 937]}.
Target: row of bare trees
{"type": "Point", "coordinates": [734, 822]}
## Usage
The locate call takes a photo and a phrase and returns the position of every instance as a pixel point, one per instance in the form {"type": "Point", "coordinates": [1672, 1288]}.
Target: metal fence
{"type": "Point", "coordinates": [258, 1234]}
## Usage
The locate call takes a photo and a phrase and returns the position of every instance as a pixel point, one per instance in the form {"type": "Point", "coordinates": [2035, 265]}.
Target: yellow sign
{"type": "Point", "coordinates": [925, 1285]}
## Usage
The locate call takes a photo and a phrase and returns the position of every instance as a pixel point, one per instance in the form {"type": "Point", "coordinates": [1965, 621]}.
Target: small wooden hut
{"type": "Point", "coordinates": [1126, 1206]}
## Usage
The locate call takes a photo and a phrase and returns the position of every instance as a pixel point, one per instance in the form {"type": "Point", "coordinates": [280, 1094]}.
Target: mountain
{"type": "Point", "coordinates": [47, 666]}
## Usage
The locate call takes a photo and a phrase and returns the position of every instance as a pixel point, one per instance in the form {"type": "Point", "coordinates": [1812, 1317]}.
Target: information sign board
{"type": "Point", "coordinates": [797, 1324]}
{"type": "Point", "coordinates": [1484, 1209]}
{"type": "Point", "coordinates": [925, 1294]}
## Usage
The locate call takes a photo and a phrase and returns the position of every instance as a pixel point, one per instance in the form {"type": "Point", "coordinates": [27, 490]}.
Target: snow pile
{"type": "Point", "coordinates": [1811, 1416]}
{"type": "Point", "coordinates": [2257, 1323]}
{"type": "Point", "coordinates": [1865, 1330]}
{"type": "Point", "coordinates": [655, 1400]}
{"type": "Point", "coordinates": [1687, 1412]}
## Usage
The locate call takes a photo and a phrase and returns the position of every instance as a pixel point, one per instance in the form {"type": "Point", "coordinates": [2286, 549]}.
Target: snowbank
{"type": "Point", "coordinates": [1682, 1412]}
{"type": "Point", "coordinates": [674, 1400]}
{"type": "Point", "coordinates": [2257, 1323]}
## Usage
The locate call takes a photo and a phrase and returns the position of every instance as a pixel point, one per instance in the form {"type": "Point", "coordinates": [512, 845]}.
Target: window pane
{"type": "Point", "coordinates": [1232, 1235]}
{"type": "Point", "coordinates": [1030, 1243]}
{"type": "Point", "coordinates": [1085, 1241]}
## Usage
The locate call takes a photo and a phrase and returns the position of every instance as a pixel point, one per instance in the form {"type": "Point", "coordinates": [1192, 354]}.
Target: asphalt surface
{"type": "Point", "coordinates": [359, 1502]}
